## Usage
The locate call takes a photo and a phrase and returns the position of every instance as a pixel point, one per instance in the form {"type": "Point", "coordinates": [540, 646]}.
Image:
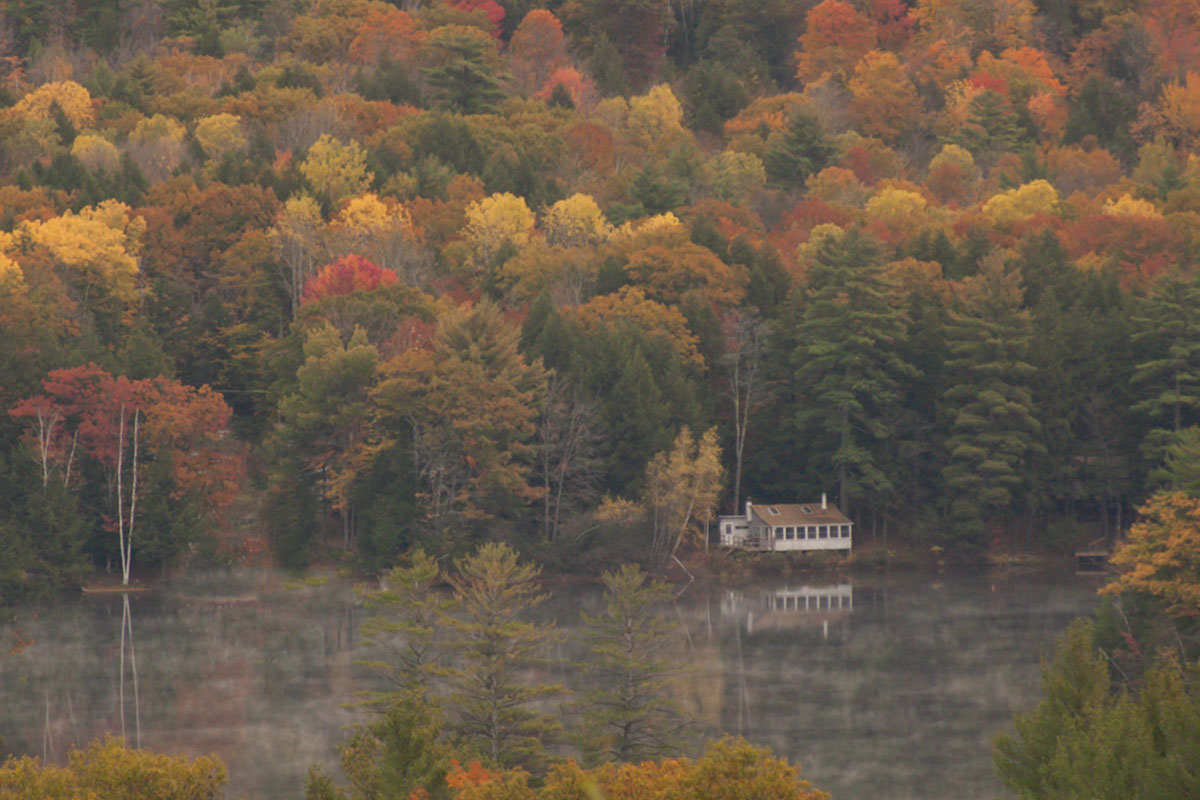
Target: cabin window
{"type": "Point", "coordinates": [779, 533]}
{"type": "Point", "coordinates": [823, 531]}
{"type": "Point", "coordinates": [845, 531]}
{"type": "Point", "coordinates": [791, 533]}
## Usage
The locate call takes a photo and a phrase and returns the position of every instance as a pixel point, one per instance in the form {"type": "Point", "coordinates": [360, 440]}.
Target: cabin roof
{"type": "Point", "coordinates": [774, 514]}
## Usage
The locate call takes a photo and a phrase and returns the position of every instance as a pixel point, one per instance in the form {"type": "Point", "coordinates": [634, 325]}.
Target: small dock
{"type": "Point", "coordinates": [1093, 558]}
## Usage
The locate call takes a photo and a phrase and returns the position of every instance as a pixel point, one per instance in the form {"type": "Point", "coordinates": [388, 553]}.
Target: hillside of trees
{"type": "Point", "coordinates": [277, 275]}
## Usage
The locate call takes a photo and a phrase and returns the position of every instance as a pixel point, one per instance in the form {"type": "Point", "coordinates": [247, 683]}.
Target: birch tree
{"type": "Point", "coordinates": [296, 241]}
{"type": "Point", "coordinates": [745, 343]}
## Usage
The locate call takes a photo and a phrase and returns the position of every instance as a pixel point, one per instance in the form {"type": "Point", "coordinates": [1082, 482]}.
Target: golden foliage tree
{"type": "Point", "coordinates": [220, 135]}
{"type": "Point", "coordinates": [380, 229]}
{"type": "Point", "coordinates": [630, 304]}
{"type": "Point", "coordinates": [575, 222]}
{"type": "Point", "coordinates": [96, 153]}
{"type": "Point", "coordinates": [73, 99]}
{"type": "Point", "coordinates": [1179, 109]}
{"type": "Point", "coordinates": [883, 99]}
{"type": "Point", "coordinates": [98, 246]}
{"type": "Point", "coordinates": [110, 769]}
{"type": "Point", "coordinates": [494, 222]}
{"type": "Point", "coordinates": [1161, 557]}
{"type": "Point", "coordinates": [682, 487]}
{"type": "Point", "coordinates": [296, 241]}
{"type": "Point", "coordinates": [1035, 197]}
{"type": "Point", "coordinates": [656, 118]}
{"type": "Point", "coordinates": [336, 170]}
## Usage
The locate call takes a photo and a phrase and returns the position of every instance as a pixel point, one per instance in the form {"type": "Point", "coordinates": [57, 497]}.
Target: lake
{"type": "Point", "coordinates": [880, 687]}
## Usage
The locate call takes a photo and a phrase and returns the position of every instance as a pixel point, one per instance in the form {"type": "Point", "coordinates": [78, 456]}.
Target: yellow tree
{"type": "Point", "coordinates": [494, 222]}
{"type": "Point", "coordinates": [156, 146]}
{"type": "Point", "coordinates": [296, 241]}
{"type": "Point", "coordinates": [1179, 110]}
{"type": "Point", "coordinates": [682, 487]}
{"type": "Point", "coordinates": [336, 170]}
{"type": "Point", "coordinates": [576, 222]}
{"type": "Point", "coordinates": [71, 98]}
{"type": "Point", "coordinates": [220, 135]}
{"type": "Point", "coordinates": [98, 246]}
{"type": "Point", "coordinates": [1035, 197]}
{"type": "Point", "coordinates": [96, 153]}
{"type": "Point", "coordinates": [382, 230]}
{"type": "Point", "coordinates": [1161, 557]}
{"type": "Point", "coordinates": [110, 769]}
{"type": "Point", "coordinates": [656, 119]}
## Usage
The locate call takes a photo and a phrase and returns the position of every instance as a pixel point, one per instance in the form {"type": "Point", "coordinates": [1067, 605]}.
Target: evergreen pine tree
{"type": "Point", "coordinates": [490, 690]}
{"type": "Point", "coordinates": [848, 367]}
{"type": "Point", "coordinates": [397, 756]}
{"type": "Point", "coordinates": [1168, 324]}
{"type": "Point", "coordinates": [802, 150]}
{"type": "Point", "coordinates": [404, 628]}
{"type": "Point", "coordinates": [992, 432]}
{"type": "Point", "coordinates": [991, 128]}
{"type": "Point", "coordinates": [464, 82]}
{"type": "Point", "coordinates": [628, 715]}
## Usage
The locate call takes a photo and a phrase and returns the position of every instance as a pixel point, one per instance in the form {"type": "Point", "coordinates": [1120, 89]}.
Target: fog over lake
{"type": "Point", "coordinates": [882, 688]}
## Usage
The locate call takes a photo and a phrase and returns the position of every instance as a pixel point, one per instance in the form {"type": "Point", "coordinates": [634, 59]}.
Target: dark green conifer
{"type": "Point", "coordinates": [629, 714]}
{"type": "Point", "coordinates": [464, 81]}
{"type": "Point", "coordinates": [991, 428]}
{"type": "Point", "coordinates": [847, 362]}
{"type": "Point", "coordinates": [801, 150]}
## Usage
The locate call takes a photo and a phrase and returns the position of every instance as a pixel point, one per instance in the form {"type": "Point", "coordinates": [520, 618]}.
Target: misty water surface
{"type": "Point", "coordinates": [881, 688]}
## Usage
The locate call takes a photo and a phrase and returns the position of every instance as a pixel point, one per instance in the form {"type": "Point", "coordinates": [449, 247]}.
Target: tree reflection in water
{"type": "Point", "coordinates": [127, 639]}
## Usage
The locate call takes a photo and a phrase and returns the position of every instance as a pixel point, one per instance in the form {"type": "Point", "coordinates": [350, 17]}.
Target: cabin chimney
{"type": "Point", "coordinates": [747, 509]}
{"type": "Point", "coordinates": [824, 502]}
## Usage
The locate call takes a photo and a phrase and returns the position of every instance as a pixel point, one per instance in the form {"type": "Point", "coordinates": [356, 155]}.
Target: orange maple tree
{"type": "Point", "coordinates": [1161, 557]}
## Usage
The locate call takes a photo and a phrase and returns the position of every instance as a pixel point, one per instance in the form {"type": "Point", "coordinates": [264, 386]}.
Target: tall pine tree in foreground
{"type": "Point", "coordinates": [848, 367]}
{"type": "Point", "coordinates": [630, 715]}
{"type": "Point", "coordinates": [491, 695]}
{"type": "Point", "coordinates": [992, 431]}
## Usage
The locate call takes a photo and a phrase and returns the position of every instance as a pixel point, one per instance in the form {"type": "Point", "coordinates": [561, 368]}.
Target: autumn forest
{"type": "Point", "coordinates": [300, 282]}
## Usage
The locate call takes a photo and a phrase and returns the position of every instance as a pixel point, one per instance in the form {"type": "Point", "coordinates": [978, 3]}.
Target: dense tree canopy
{"type": "Point", "coordinates": [459, 268]}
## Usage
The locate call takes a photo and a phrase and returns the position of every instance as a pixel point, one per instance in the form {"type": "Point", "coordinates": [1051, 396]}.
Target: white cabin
{"type": "Point", "coordinates": [780, 527]}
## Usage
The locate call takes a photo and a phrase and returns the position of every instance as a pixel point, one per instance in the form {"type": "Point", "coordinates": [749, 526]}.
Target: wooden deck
{"type": "Point", "coordinates": [1094, 557]}
{"type": "Point", "coordinates": [754, 544]}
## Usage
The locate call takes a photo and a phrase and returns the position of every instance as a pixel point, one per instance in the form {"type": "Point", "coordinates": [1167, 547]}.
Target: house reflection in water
{"type": "Point", "coordinates": [789, 607]}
